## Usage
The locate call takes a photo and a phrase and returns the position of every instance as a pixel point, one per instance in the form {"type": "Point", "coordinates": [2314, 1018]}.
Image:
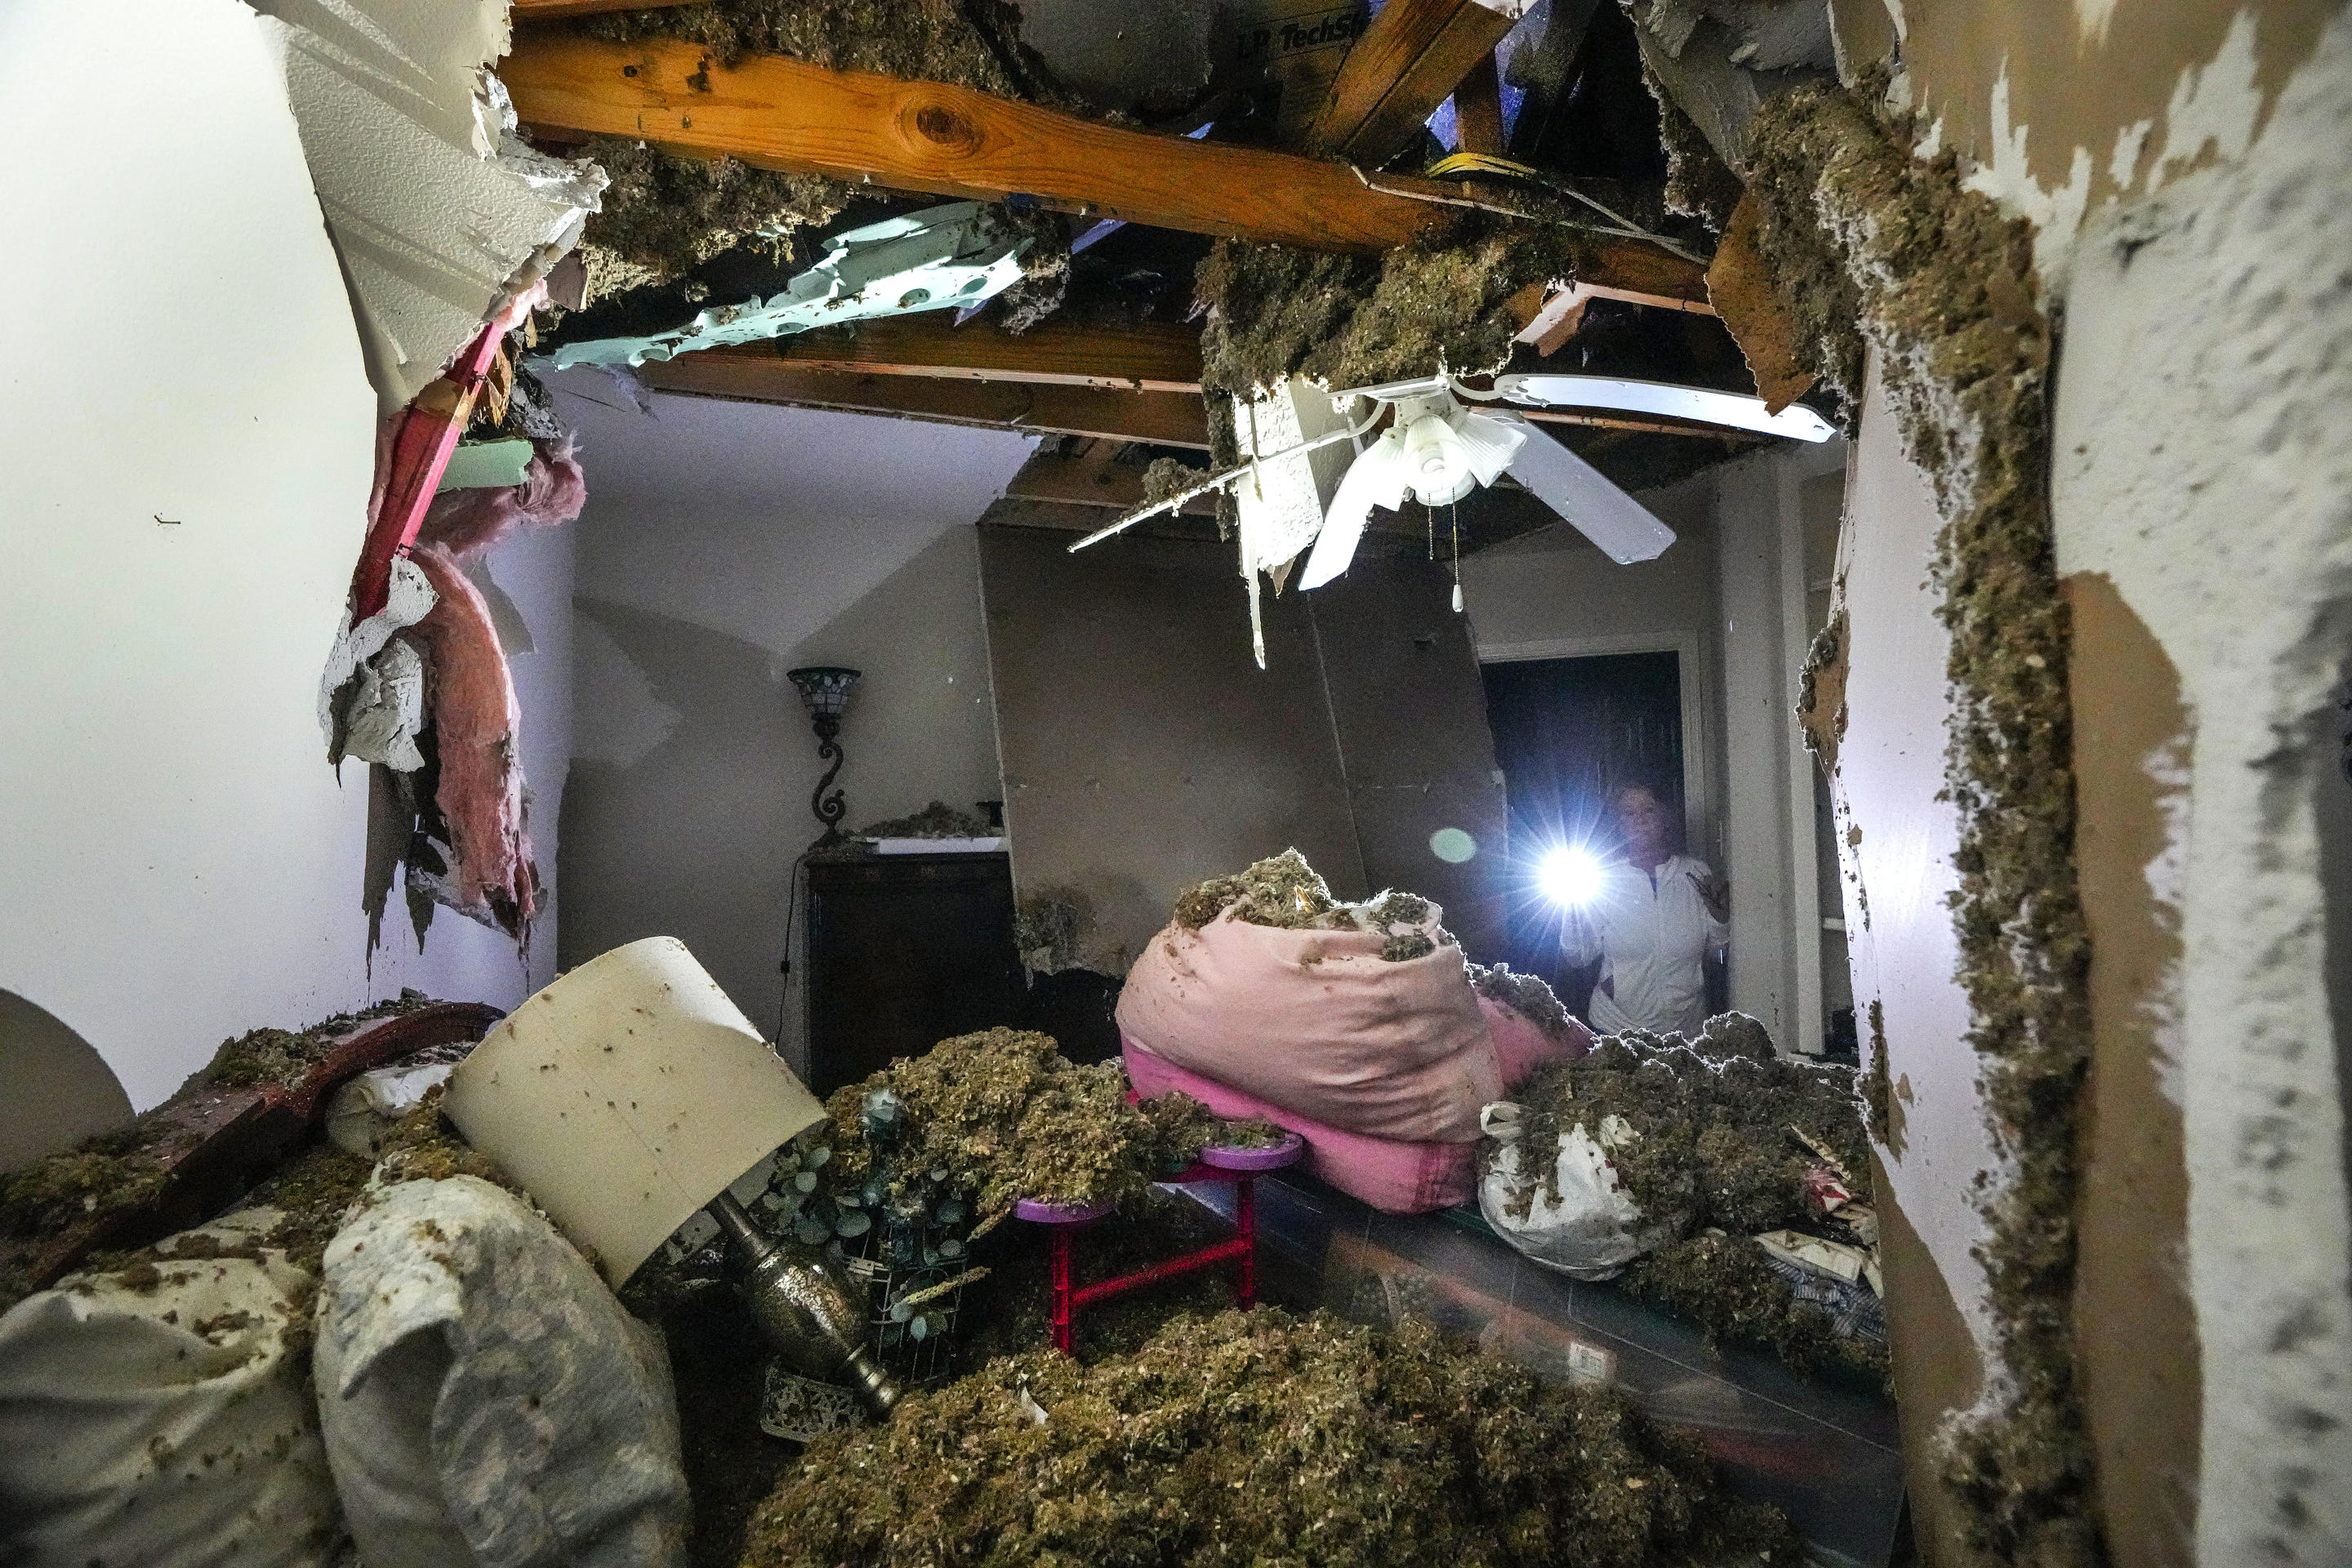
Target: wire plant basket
{"type": "Point", "coordinates": [904, 1232]}
{"type": "Point", "coordinates": [917, 1304]}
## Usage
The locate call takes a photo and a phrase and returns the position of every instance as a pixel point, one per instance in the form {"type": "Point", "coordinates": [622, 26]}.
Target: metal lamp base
{"type": "Point", "coordinates": [812, 1312]}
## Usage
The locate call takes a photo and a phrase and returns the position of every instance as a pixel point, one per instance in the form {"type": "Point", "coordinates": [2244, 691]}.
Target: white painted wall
{"type": "Point", "coordinates": [1898, 868]}
{"type": "Point", "coordinates": [723, 545]}
{"type": "Point", "coordinates": [177, 863]}
{"type": "Point", "coordinates": [2203, 468]}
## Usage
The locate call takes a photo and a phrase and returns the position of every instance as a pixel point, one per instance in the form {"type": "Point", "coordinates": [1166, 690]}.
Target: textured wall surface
{"type": "Point", "coordinates": [2186, 166]}
{"type": "Point", "coordinates": [2203, 502]}
{"type": "Point", "coordinates": [2064, 107]}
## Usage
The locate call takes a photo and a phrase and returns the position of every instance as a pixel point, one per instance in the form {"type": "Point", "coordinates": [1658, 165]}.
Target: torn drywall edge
{"type": "Point", "coordinates": [1946, 297]}
{"type": "Point", "coordinates": [2059, 115]}
{"type": "Point", "coordinates": [437, 210]}
{"type": "Point", "coordinates": [427, 55]}
{"type": "Point", "coordinates": [231, 872]}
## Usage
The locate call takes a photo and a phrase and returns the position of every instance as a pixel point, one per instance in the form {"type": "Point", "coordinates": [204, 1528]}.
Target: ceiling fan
{"type": "Point", "coordinates": [1444, 438]}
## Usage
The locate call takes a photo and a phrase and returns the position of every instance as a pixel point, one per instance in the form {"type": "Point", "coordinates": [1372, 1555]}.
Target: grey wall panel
{"type": "Point", "coordinates": [1142, 749]}
{"type": "Point", "coordinates": [1400, 674]}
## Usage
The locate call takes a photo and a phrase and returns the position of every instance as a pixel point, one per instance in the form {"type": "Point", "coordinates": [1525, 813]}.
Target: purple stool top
{"type": "Point", "coordinates": [1282, 1153]}
{"type": "Point", "coordinates": [1058, 1213]}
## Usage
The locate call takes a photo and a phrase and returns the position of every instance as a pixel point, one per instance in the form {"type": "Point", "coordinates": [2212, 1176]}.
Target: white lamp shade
{"type": "Point", "coordinates": [626, 1096]}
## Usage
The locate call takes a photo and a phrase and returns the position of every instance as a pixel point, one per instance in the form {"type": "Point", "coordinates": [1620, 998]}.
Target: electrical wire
{"type": "Point", "coordinates": [1453, 521]}
{"type": "Point", "coordinates": [791, 908]}
{"type": "Point", "coordinates": [1459, 164]}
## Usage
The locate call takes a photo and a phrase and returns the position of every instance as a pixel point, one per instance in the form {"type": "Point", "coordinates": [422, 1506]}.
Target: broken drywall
{"type": "Point", "coordinates": [1718, 60]}
{"type": "Point", "coordinates": [1947, 302]}
{"type": "Point", "coordinates": [1897, 843]}
{"type": "Point", "coordinates": [2201, 477]}
{"type": "Point", "coordinates": [183, 503]}
{"type": "Point", "coordinates": [439, 211]}
{"type": "Point", "coordinates": [1143, 748]}
{"type": "Point", "coordinates": [961, 253]}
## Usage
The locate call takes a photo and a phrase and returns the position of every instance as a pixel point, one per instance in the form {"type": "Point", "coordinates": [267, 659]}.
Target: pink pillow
{"type": "Point", "coordinates": [1392, 1176]}
{"type": "Point", "coordinates": [1318, 1023]}
{"type": "Point", "coordinates": [1520, 1048]}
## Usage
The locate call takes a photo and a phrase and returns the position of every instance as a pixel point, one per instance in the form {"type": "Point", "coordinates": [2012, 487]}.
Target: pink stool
{"type": "Point", "coordinates": [1239, 1166]}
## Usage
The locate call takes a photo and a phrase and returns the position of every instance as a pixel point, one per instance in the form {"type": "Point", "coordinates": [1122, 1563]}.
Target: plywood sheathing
{"type": "Point", "coordinates": [1740, 283]}
{"type": "Point", "coordinates": [1943, 286]}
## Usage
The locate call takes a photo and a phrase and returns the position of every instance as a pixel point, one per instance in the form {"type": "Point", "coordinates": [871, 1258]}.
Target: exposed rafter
{"type": "Point", "coordinates": [932, 138]}
{"type": "Point", "coordinates": [947, 141]}
{"type": "Point", "coordinates": [760, 375]}
{"type": "Point", "coordinates": [1407, 63]}
{"type": "Point", "coordinates": [1153, 356]}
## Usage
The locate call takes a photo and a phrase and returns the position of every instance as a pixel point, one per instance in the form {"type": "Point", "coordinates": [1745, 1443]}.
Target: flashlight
{"type": "Point", "coordinates": [1570, 878]}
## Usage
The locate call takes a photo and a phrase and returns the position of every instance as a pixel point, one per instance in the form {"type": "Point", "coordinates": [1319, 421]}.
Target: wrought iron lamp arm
{"type": "Point", "coordinates": [830, 809]}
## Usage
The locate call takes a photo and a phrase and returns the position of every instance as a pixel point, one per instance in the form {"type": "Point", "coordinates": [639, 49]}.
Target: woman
{"type": "Point", "coordinates": [1650, 924]}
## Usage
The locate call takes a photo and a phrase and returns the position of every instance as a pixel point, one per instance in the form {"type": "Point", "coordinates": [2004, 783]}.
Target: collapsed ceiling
{"type": "Point", "coordinates": [1577, 124]}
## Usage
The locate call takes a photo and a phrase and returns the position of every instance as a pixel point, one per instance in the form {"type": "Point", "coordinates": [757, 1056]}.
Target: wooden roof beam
{"type": "Point", "coordinates": [1150, 356]}
{"type": "Point", "coordinates": [760, 375]}
{"type": "Point", "coordinates": [557, 10]}
{"type": "Point", "coordinates": [1407, 63]}
{"type": "Point", "coordinates": [932, 138]}
{"type": "Point", "coordinates": [948, 141]}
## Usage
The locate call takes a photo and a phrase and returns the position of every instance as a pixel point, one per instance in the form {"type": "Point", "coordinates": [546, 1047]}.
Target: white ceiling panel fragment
{"type": "Point", "coordinates": [436, 208]}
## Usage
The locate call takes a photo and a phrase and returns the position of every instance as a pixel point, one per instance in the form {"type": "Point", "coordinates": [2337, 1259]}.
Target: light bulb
{"type": "Point", "coordinates": [1570, 878]}
{"type": "Point", "coordinates": [1434, 457]}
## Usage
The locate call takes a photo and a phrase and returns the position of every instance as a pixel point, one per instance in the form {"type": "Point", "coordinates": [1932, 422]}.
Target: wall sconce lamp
{"type": "Point", "coordinates": [825, 692]}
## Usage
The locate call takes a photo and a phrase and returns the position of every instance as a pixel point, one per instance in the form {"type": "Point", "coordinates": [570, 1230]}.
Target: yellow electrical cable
{"type": "Point", "coordinates": [1455, 166]}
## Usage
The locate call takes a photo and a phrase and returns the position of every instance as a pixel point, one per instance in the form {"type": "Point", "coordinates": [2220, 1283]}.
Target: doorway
{"type": "Point", "coordinates": [1567, 732]}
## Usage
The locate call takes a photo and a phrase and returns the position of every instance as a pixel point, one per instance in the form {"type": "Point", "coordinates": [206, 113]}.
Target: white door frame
{"type": "Point", "coordinates": [1698, 797]}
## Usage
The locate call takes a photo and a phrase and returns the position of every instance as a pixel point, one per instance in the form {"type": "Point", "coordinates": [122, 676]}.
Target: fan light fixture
{"type": "Point", "coordinates": [1447, 439]}
{"type": "Point", "coordinates": [1436, 452]}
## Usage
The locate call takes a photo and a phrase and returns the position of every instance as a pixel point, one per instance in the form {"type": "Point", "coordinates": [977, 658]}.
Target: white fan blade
{"type": "Point", "coordinates": [1587, 497]}
{"type": "Point", "coordinates": [1796, 421]}
{"type": "Point", "coordinates": [1488, 443]}
{"type": "Point", "coordinates": [1376, 477]}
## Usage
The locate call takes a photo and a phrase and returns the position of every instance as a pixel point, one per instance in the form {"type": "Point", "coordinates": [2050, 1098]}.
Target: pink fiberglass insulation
{"type": "Point", "coordinates": [468, 522]}
{"type": "Point", "coordinates": [475, 716]}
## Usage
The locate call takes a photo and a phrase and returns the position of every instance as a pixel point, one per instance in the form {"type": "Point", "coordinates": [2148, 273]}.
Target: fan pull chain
{"type": "Point", "coordinates": [1257, 486]}
{"type": "Point", "coordinates": [1429, 519]}
{"type": "Point", "coordinates": [1453, 521]}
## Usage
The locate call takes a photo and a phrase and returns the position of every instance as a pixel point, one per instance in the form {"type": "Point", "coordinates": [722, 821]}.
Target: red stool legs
{"type": "Point", "coordinates": [1063, 1310]}
{"type": "Point", "coordinates": [1245, 1220]}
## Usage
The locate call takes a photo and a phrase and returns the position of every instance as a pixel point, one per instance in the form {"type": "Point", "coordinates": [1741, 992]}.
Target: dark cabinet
{"type": "Point", "coordinates": [905, 951]}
